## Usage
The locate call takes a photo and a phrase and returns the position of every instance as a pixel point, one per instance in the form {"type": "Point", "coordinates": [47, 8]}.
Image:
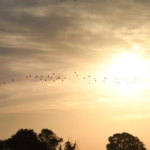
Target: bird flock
{"type": "Point", "coordinates": [116, 80]}
{"type": "Point", "coordinates": [88, 78]}
{"type": "Point", "coordinates": [48, 77]}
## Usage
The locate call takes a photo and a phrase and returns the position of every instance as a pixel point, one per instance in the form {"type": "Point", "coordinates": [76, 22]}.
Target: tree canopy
{"type": "Point", "coordinates": [124, 141]}
{"type": "Point", "coordinates": [70, 146]}
{"type": "Point", "coordinates": [49, 139]}
{"type": "Point", "coordinates": [27, 139]}
{"type": "Point", "coordinates": [23, 139]}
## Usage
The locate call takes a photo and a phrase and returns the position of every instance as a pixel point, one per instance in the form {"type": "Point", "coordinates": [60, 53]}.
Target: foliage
{"type": "Point", "coordinates": [124, 141]}
{"type": "Point", "coordinates": [26, 139]}
{"type": "Point", "coordinates": [49, 139]}
{"type": "Point", "coordinates": [70, 146]}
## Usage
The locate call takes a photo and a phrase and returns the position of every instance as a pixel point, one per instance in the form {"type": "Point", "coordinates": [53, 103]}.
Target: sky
{"type": "Point", "coordinates": [104, 41]}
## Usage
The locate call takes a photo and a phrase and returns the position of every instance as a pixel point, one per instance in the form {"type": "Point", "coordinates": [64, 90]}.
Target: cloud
{"type": "Point", "coordinates": [48, 28]}
{"type": "Point", "coordinates": [40, 29]}
{"type": "Point", "coordinates": [41, 37]}
{"type": "Point", "coordinates": [133, 117]}
{"type": "Point", "coordinates": [103, 100]}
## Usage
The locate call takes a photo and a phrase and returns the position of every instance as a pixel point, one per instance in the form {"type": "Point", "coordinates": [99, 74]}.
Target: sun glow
{"type": "Point", "coordinates": [128, 71]}
{"type": "Point", "coordinates": [128, 66]}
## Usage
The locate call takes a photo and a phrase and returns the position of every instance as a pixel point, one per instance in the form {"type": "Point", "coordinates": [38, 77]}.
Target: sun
{"type": "Point", "coordinates": [127, 71]}
{"type": "Point", "coordinates": [128, 66]}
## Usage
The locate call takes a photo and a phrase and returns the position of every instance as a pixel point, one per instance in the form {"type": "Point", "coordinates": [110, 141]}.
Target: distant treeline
{"type": "Point", "coordinates": [27, 139]}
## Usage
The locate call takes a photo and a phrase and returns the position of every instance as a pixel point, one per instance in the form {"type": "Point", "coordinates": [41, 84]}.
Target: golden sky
{"type": "Point", "coordinates": [95, 39]}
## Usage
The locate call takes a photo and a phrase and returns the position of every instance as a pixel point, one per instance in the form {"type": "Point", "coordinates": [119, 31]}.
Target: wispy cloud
{"type": "Point", "coordinates": [104, 100]}
{"type": "Point", "coordinates": [38, 37]}
{"type": "Point", "coordinates": [133, 117]}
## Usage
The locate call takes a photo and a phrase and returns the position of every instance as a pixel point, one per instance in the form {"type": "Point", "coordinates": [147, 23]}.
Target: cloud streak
{"type": "Point", "coordinates": [133, 117]}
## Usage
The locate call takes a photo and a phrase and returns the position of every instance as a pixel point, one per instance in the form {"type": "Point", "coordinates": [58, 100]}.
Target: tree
{"type": "Point", "coordinates": [23, 140]}
{"type": "Point", "coordinates": [49, 139]}
{"type": "Point", "coordinates": [124, 141]}
{"type": "Point", "coordinates": [1, 144]}
{"type": "Point", "coordinates": [70, 146]}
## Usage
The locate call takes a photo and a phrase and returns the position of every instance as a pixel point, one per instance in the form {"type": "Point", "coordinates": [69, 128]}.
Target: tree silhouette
{"type": "Point", "coordinates": [124, 141]}
{"type": "Point", "coordinates": [1, 144]}
{"type": "Point", "coordinates": [70, 146]}
{"type": "Point", "coordinates": [23, 140]}
{"type": "Point", "coordinates": [49, 139]}
{"type": "Point", "coordinates": [27, 139]}
{"type": "Point", "coordinates": [60, 148]}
